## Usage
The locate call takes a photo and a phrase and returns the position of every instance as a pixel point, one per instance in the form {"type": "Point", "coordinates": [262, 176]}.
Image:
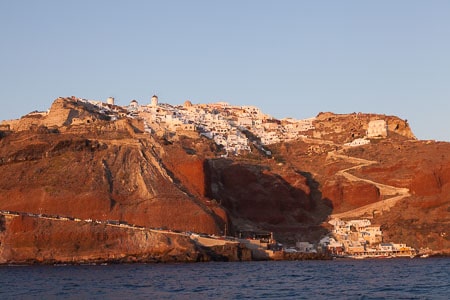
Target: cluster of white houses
{"type": "Point", "coordinates": [227, 125]}
{"type": "Point", "coordinates": [361, 239]}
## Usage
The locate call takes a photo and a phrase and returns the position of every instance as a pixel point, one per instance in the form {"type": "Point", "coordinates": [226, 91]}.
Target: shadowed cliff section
{"type": "Point", "coordinates": [260, 197]}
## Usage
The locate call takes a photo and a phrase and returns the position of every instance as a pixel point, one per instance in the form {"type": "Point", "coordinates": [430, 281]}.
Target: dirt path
{"type": "Point", "coordinates": [395, 194]}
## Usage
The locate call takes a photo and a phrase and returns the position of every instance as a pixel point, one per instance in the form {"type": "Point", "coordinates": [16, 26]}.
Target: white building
{"type": "Point", "coordinates": [358, 142]}
{"type": "Point", "coordinates": [252, 110]}
{"type": "Point", "coordinates": [154, 101]}
{"type": "Point", "coordinates": [133, 108]}
{"type": "Point", "coordinates": [246, 122]}
{"type": "Point", "coordinates": [305, 247]}
{"type": "Point", "coordinates": [377, 128]}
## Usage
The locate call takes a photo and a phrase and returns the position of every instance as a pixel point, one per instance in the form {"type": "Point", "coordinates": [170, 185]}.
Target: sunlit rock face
{"type": "Point", "coordinates": [76, 161]}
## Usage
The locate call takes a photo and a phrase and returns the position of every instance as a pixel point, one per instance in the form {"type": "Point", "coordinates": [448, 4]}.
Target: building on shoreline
{"type": "Point", "coordinates": [360, 239]}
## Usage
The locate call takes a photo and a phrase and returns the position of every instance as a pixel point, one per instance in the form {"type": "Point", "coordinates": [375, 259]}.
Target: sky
{"type": "Point", "coordinates": [289, 58]}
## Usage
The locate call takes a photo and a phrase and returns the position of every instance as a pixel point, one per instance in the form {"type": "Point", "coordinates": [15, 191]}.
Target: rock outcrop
{"type": "Point", "coordinates": [343, 128]}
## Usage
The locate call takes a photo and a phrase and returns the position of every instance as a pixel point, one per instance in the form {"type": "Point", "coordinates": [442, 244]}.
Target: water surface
{"type": "Point", "coordinates": [339, 279]}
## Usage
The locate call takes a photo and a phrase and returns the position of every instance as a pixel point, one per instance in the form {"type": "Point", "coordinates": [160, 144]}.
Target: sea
{"type": "Point", "coordinates": [418, 278]}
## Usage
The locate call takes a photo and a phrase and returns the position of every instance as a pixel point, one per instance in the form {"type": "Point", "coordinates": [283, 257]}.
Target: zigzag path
{"type": "Point", "coordinates": [390, 194]}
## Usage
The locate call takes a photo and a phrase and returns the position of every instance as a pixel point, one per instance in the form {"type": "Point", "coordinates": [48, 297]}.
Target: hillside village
{"type": "Point", "coordinates": [237, 129]}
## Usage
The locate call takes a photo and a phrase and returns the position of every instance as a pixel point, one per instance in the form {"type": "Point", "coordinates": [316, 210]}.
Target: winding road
{"type": "Point", "coordinates": [390, 194]}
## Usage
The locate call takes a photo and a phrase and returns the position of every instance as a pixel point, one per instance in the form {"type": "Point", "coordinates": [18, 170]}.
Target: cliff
{"type": "Point", "coordinates": [78, 161]}
{"type": "Point", "coordinates": [39, 240]}
{"type": "Point", "coordinates": [46, 240]}
{"type": "Point", "coordinates": [101, 173]}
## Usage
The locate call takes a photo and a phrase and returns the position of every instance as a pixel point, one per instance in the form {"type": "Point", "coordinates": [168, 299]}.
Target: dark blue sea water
{"type": "Point", "coordinates": [338, 279]}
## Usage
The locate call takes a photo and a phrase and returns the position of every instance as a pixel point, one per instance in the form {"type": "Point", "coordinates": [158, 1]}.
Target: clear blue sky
{"type": "Point", "coordinates": [290, 58]}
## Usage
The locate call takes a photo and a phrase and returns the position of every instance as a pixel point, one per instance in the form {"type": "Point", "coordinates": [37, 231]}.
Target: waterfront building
{"type": "Point", "coordinates": [359, 239]}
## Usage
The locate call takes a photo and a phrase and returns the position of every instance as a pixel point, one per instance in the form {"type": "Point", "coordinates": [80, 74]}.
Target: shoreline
{"type": "Point", "coordinates": [282, 256]}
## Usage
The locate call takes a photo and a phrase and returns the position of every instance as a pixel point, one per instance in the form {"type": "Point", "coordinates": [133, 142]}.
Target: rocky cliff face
{"type": "Point", "coordinates": [105, 174]}
{"type": "Point", "coordinates": [38, 240]}
{"type": "Point", "coordinates": [74, 162]}
{"type": "Point", "coordinates": [264, 196]}
{"type": "Point", "coordinates": [402, 185]}
{"type": "Point", "coordinates": [32, 240]}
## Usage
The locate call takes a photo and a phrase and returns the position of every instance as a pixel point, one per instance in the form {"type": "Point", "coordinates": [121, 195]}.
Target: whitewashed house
{"type": "Point", "coordinates": [246, 122]}
{"type": "Point", "coordinates": [305, 247]}
{"type": "Point", "coordinates": [358, 142]}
